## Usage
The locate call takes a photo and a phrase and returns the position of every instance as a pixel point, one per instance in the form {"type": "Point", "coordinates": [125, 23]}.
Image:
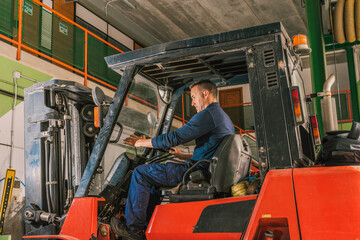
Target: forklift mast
{"type": "Point", "coordinates": [59, 135]}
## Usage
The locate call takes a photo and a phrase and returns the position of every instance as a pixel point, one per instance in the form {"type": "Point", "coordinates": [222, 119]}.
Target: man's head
{"type": "Point", "coordinates": [203, 93]}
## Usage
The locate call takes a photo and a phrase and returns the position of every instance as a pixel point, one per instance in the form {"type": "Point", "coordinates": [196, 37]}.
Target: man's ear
{"type": "Point", "coordinates": [206, 93]}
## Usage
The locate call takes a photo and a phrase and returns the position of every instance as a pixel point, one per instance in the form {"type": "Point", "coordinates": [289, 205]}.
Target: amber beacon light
{"type": "Point", "coordinates": [300, 45]}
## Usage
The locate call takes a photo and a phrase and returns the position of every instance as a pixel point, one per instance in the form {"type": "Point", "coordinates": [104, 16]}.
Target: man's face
{"type": "Point", "coordinates": [198, 99]}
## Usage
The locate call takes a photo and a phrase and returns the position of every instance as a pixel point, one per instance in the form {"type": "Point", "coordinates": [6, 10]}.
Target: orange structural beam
{"type": "Point", "coordinates": [236, 105]}
{"type": "Point", "coordinates": [183, 109]}
{"type": "Point", "coordinates": [9, 39]}
{"type": "Point", "coordinates": [100, 81]}
{"type": "Point", "coordinates": [67, 66]}
{"type": "Point", "coordinates": [86, 58]}
{"type": "Point", "coordinates": [20, 45]}
{"type": "Point", "coordinates": [241, 131]}
{"type": "Point", "coordinates": [141, 100]}
{"type": "Point", "coordinates": [56, 61]}
{"type": "Point", "coordinates": [20, 20]}
{"type": "Point", "coordinates": [349, 106]}
{"type": "Point", "coordinates": [177, 117]}
{"type": "Point", "coordinates": [344, 121]}
{"type": "Point", "coordinates": [23, 46]}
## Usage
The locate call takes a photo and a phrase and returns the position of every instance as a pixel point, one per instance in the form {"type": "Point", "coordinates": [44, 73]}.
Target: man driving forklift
{"type": "Point", "coordinates": [208, 127]}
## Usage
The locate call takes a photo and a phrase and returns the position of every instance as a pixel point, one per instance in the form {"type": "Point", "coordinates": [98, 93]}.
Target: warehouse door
{"type": "Point", "coordinates": [231, 100]}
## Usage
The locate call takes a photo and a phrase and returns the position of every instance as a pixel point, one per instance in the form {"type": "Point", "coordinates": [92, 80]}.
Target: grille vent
{"type": "Point", "coordinates": [272, 80]}
{"type": "Point", "coordinates": [269, 58]}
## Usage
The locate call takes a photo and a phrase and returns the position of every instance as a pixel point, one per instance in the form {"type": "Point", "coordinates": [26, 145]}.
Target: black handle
{"type": "Point", "coordinates": [119, 134]}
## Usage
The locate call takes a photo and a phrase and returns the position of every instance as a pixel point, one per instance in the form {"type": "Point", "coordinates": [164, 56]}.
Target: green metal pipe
{"type": "Point", "coordinates": [317, 55]}
{"type": "Point", "coordinates": [353, 87]}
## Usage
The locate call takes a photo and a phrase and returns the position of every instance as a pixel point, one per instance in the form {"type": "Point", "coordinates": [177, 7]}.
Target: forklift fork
{"type": "Point", "coordinates": [80, 223]}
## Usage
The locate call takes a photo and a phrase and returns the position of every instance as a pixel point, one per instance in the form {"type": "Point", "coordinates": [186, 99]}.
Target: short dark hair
{"type": "Point", "coordinates": [205, 85]}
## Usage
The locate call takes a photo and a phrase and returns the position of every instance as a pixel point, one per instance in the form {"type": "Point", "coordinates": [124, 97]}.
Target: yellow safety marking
{"type": "Point", "coordinates": [6, 196]}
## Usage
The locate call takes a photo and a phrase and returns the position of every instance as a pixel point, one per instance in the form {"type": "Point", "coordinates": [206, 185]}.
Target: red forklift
{"type": "Point", "coordinates": [77, 175]}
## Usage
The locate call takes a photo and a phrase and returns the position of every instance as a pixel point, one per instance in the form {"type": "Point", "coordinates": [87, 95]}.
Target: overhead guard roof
{"type": "Point", "coordinates": [218, 57]}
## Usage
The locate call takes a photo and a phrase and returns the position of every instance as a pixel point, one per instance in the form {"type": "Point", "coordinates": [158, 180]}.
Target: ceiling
{"type": "Point", "coordinates": [151, 22]}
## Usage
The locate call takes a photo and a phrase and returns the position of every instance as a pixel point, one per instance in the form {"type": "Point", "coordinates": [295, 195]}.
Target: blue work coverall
{"type": "Point", "coordinates": [208, 128]}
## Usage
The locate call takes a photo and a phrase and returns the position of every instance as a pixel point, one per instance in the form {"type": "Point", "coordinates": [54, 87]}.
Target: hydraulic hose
{"type": "Point", "coordinates": [339, 22]}
{"type": "Point", "coordinates": [52, 182]}
{"type": "Point", "coordinates": [350, 21]}
{"type": "Point", "coordinates": [68, 152]}
{"type": "Point", "coordinates": [357, 19]}
{"type": "Point", "coordinates": [47, 187]}
{"type": "Point", "coordinates": [63, 162]}
{"type": "Point", "coordinates": [60, 175]}
{"type": "Point", "coordinates": [54, 172]}
{"type": "Point", "coordinates": [69, 160]}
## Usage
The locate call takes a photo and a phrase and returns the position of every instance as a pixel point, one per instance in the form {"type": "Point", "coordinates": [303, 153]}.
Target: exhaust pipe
{"type": "Point", "coordinates": [328, 84]}
{"type": "Point", "coordinates": [328, 107]}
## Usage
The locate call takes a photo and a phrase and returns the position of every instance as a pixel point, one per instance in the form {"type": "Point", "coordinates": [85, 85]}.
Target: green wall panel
{"type": "Point", "coordinates": [8, 17]}
{"type": "Point", "coordinates": [344, 126]}
{"type": "Point", "coordinates": [7, 67]}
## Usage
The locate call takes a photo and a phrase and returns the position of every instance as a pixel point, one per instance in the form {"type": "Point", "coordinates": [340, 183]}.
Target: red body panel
{"type": "Point", "coordinates": [275, 205]}
{"type": "Point", "coordinates": [81, 220]}
{"type": "Point", "coordinates": [275, 210]}
{"type": "Point", "coordinates": [328, 200]}
{"type": "Point", "coordinates": [177, 220]}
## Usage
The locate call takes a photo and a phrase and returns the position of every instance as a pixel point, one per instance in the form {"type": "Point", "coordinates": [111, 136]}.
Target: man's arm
{"type": "Point", "coordinates": [144, 143]}
{"type": "Point", "coordinates": [198, 125]}
{"type": "Point", "coordinates": [136, 141]}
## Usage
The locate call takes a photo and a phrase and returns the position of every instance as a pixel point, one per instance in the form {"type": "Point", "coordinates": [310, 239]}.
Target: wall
{"type": "Point", "coordinates": [336, 64]}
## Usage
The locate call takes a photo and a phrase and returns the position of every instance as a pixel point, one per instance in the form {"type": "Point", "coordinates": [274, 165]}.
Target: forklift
{"type": "Point", "coordinates": [78, 169]}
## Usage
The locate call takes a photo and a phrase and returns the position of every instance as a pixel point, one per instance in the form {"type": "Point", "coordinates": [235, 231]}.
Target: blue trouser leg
{"type": "Point", "coordinates": [143, 179]}
{"type": "Point", "coordinates": [155, 199]}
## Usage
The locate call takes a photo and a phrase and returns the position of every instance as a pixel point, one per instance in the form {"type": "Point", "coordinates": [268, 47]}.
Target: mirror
{"type": "Point", "coordinates": [165, 93]}
{"type": "Point", "coordinates": [98, 96]}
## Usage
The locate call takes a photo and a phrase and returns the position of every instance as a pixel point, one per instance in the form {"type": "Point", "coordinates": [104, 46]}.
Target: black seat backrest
{"type": "Point", "coordinates": [232, 163]}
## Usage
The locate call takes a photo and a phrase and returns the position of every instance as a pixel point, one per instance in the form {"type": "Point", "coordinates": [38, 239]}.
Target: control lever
{"type": "Point", "coordinates": [355, 131]}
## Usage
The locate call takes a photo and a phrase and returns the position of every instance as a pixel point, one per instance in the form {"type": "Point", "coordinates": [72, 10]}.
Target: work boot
{"type": "Point", "coordinates": [121, 230]}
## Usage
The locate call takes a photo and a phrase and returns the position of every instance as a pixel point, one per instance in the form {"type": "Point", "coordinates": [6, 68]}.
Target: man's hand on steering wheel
{"type": "Point", "coordinates": [177, 153]}
{"type": "Point", "coordinates": [136, 141]}
{"type": "Point", "coordinates": [133, 139]}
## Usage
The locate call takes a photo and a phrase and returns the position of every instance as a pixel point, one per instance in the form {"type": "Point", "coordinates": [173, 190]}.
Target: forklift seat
{"type": "Point", "coordinates": [230, 164]}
